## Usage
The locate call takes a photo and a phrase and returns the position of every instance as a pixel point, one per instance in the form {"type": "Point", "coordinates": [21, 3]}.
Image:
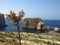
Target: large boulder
{"type": "Point", "coordinates": [30, 22]}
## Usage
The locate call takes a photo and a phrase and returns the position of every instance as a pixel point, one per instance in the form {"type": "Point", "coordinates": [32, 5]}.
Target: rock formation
{"type": "Point", "coordinates": [2, 20]}
{"type": "Point", "coordinates": [30, 22]}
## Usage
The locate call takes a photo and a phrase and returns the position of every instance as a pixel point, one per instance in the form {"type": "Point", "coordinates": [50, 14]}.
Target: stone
{"type": "Point", "coordinates": [31, 22]}
{"type": "Point", "coordinates": [2, 20]}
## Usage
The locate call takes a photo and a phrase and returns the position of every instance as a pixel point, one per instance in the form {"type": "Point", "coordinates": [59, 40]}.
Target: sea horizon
{"type": "Point", "coordinates": [12, 27]}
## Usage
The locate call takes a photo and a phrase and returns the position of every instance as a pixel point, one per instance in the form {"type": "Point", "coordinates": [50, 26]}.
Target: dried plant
{"type": "Point", "coordinates": [15, 20]}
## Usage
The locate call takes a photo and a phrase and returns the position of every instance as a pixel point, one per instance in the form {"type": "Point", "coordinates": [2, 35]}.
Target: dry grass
{"type": "Point", "coordinates": [11, 38]}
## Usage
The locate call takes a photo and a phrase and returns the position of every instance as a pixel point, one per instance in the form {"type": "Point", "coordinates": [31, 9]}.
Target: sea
{"type": "Point", "coordinates": [12, 27]}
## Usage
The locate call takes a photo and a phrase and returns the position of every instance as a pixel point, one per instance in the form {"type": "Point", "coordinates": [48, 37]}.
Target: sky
{"type": "Point", "coordinates": [44, 9]}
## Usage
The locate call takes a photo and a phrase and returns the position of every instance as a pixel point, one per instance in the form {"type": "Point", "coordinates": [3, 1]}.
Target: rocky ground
{"type": "Point", "coordinates": [11, 38]}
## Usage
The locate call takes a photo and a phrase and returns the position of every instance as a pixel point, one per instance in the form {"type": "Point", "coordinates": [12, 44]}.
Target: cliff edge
{"type": "Point", "coordinates": [2, 20]}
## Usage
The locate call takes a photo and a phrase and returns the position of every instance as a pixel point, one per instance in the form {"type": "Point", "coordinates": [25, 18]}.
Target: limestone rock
{"type": "Point", "coordinates": [30, 22]}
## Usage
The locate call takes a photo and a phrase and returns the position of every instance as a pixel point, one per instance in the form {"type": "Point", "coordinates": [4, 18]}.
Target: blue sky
{"type": "Point", "coordinates": [45, 9]}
